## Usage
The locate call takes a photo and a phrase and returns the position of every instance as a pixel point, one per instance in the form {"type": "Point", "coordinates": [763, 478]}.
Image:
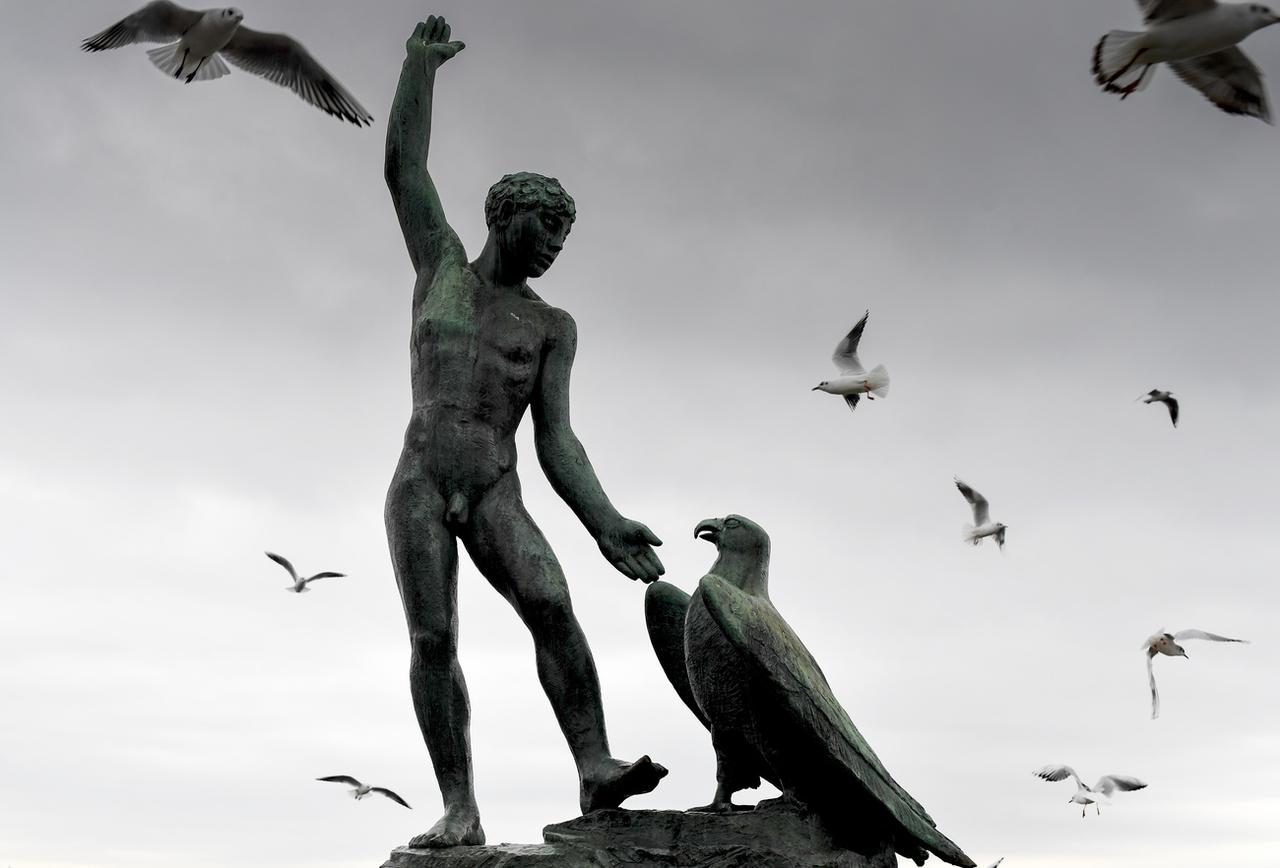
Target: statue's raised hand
{"type": "Point", "coordinates": [628, 545]}
{"type": "Point", "coordinates": [430, 40]}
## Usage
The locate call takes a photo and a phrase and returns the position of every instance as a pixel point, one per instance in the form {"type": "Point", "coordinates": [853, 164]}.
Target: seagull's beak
{"type": "Point", "coordinates": [816, 388]}
{"type": "Point", "coordinates": [709, 530]}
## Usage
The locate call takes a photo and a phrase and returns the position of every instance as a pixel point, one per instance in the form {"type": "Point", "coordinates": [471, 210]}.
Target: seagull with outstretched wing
{"type": "Point", "coordinates": [1198, 39]}
{"type": "Point", "coordinates": [1163, 397]}
{"type": "Point", "coordinates": [854, 380]}
{"type": "Point", "coordinates": [198, 41]}
{"type": "Point", "coordinates": [1085, 795]}
{"type": "Point", "coordinates": [982, 525]}
{"type": "Point", "coordinates": [1167, 644]}
{"type": "Point", "coordinates": [299, 585]}
{"type": "Point", "coordinates": [359, 790]}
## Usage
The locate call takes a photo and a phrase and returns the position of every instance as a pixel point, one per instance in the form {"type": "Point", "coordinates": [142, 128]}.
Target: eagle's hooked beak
{"type": "Point", "coordinates": [709, 529]}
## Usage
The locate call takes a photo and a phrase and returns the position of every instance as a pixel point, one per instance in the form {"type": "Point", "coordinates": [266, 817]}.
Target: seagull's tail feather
{"type": "Point", "coordinates": [878, 381]}
{"type": "Point", "coordinates": [173, 61]}
{"type": "Point", "coordinates": [212, 68]}
{"type": "Point", "coordinates": [1117, 67]}
{"type": "Point", "coordinates": [167, 58]}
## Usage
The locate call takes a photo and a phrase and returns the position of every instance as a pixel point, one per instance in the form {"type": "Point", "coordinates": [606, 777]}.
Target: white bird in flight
{"type": "Point", "coordinates": [204, 38]}
{"type": "Point", "coordinates": [854, 381]}
{"type": "Point", "coordinates": [359, 790]}
{"type": "Point", "coordinates": [1166, 398]}
{"type": "Point", "coordinates": [1099, 792]}
{"type": "Point", "coordinates": [299, 584]}
{"type": "Point", "coordinates": [1167, 644]}
{"type": "Point", "coordinates": [1197, 38]}
{"type": "Point", "coordinates": [982, 525]}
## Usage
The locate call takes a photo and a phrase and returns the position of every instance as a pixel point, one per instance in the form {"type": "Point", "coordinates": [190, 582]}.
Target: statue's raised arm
{"type": "Point", "coordinates": [426, 233]}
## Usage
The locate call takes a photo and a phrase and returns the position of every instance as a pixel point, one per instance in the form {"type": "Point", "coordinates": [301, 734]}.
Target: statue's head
{"type": "Point", "coordinates": [529, 217]}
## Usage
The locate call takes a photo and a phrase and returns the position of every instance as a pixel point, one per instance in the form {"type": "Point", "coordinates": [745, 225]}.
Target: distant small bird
{"type": "Point", "coordinates": [982, 525]}
{"type": "Point", "coordinates": [1165, 398]}
{"type": "Point", "coordinates": [300, 584]}
{"type": "Point", "coordinates": [1197, 38]}
{"type": "Point", "coordinates": [854, 381]}
{"type": "Point", "coordinates": [1099, 792]}
{"type": "Point", "coordinates": [359, 790]}
{"type": "Point", "coordinates": [205, 37]}
{"type": "Point", "coordinates": [1167, 644]}
{"type": "Point", "coordinates": [996, 864]}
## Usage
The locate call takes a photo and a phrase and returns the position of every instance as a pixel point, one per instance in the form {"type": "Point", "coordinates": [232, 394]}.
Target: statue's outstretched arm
{"type": "Point", "coordinates": [426, 233]}
{"type": "Point", "coordinates": [626, 544]}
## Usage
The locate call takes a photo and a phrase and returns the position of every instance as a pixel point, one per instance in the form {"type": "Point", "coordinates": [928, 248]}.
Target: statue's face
{"type": "Point", "coordinates": [532, 239]}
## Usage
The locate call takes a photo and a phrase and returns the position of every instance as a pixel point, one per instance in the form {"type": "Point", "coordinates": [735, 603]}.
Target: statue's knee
{"type": "Point", "coordinates": [433, 645]}
{"type": "Point", "coordinates": [553, 613]}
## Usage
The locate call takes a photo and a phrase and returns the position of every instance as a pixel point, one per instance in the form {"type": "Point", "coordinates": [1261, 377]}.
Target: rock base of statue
{"type": "Point", "coordinates": [776, 836]}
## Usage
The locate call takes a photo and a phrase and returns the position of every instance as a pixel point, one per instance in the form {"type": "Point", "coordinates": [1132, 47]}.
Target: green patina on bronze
{"type": "Point", "coordinates": [749, 679]}
{"type": "Point", "coordinates": [484, 349]}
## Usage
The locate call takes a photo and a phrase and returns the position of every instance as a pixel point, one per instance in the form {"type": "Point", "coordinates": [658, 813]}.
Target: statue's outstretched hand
{"type": "Point", "coordinates": [628, 545]}
{"type": "Point", "coordinates": [430, 40]}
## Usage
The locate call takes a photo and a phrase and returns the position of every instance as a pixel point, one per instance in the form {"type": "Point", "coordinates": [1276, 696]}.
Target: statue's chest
{"type": "Point", "coordinates": [464, 326]}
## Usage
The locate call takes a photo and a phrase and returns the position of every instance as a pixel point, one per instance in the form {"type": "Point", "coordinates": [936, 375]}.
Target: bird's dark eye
{"type": "Point", "coordinates": [732, 522]}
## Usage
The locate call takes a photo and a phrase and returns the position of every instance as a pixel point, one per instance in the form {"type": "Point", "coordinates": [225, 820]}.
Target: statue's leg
{"type": "Point", "coordinates": [511, 552]}
{"type": "Point", "coordinates": [424, 554]}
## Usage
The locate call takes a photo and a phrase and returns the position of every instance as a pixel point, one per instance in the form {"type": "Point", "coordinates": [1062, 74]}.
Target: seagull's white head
{"type": "Point", "coordinates": [232, 14]}
{"type": "Point", "coordinates": [1165, 644]}
{"type": "Point", "coordinates": [822, 386]}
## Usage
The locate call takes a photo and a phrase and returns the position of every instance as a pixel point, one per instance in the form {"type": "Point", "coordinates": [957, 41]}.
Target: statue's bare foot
{"type": "Point", "coordinates": [614, 781]}
{"type": "Point", "coordinates": [457, 828]}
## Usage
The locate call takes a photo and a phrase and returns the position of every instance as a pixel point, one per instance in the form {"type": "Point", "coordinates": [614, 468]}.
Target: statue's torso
{"type": "Point", "coordinates": [476, 356]}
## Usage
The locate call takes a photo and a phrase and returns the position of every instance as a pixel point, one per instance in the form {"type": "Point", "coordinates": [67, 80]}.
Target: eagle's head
{"type": "Point", "coordinates": [744, 550]}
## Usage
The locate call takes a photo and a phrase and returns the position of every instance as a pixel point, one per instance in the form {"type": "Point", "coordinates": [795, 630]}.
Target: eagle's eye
{"type": "Point", "coordinates": [732, 522]}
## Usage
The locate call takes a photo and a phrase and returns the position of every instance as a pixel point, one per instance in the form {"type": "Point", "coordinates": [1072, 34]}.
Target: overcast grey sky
{"type": "Point", "coordinates": [204, 354]}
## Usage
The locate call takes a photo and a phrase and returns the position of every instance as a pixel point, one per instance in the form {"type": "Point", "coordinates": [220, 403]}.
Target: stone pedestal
{"type": "Point", "coordinates": [776, 836]}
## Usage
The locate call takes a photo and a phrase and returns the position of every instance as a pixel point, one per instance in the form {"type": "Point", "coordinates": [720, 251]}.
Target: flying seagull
{"type": "Point", "coordinates": [299, 584]}
{"type": "Point", "coordinates": [982, 524]}
{"type": "Point", "coordinates": [359, 790]}
{"type": "Point", "coordinates": [1099, 792]}
{"type": "Point", "coordinates": [204, 38]}
{"type": "Point", "coordinates": [854, 381]}
{"type": "Point", "coordinates": [1197, 38]}
{"type": "Point", "coordinates": [1167, 644]}
{"type": "Point", "coordinates": [1165, 398]}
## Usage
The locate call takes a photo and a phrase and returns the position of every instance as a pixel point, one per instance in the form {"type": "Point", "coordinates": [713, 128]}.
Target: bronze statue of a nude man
{"type": "Point", "coordinates": [484, 348]}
